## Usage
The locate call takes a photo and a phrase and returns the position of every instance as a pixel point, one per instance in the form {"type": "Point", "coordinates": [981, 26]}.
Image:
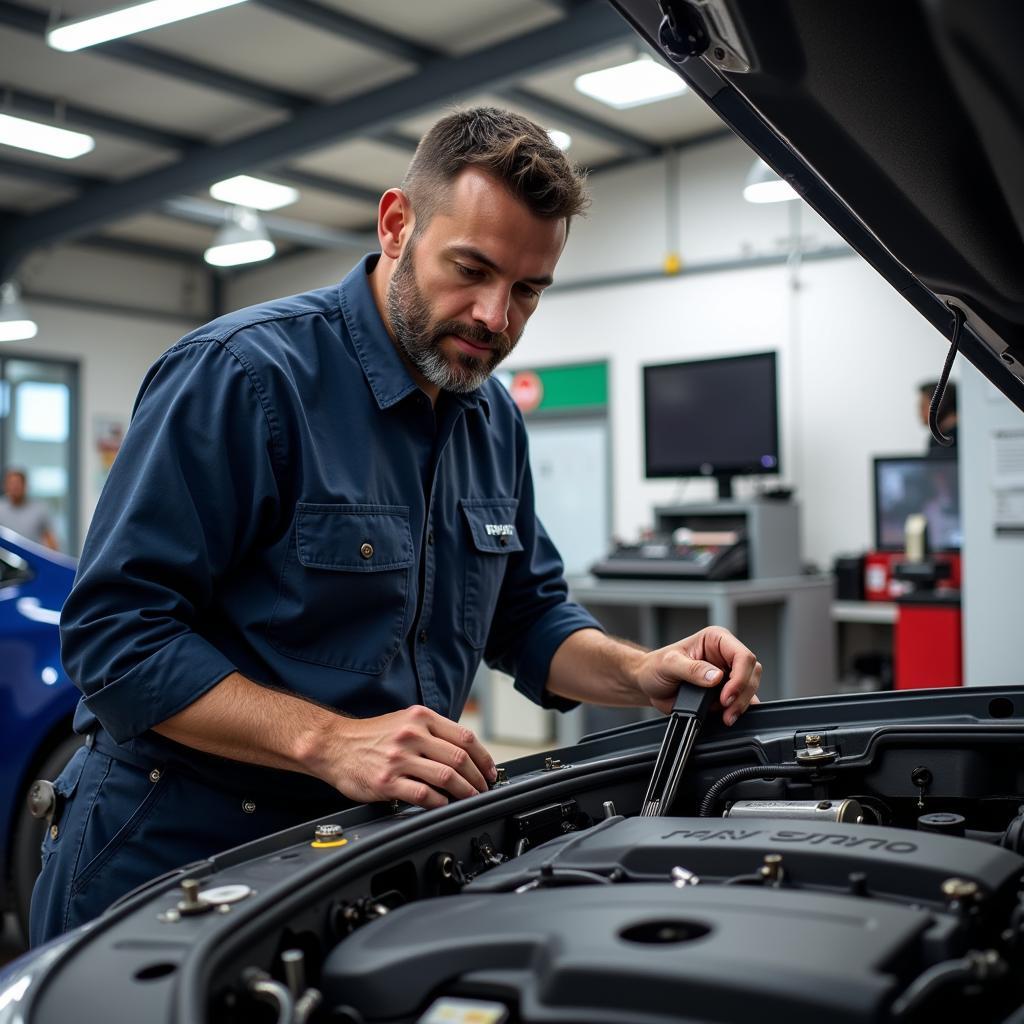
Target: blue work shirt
{"type": "Point", "coordinates": [288, 504]}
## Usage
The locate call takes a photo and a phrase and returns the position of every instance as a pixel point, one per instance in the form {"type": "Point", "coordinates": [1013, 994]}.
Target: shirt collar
{"type": "Point", "coordinates": [387, 375]}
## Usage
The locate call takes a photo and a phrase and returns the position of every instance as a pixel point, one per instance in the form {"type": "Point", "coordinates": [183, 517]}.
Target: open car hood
{"type": "Point", "coordinates": [901, 124]}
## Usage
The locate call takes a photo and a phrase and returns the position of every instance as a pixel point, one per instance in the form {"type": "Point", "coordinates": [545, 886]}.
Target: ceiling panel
{"type": "Point", "coordinates": [267, 47]}
{"type": "Point", "coordinates": [662, 122]}
{"type": "Point", "coordinates": [160, 230]}
{"type": "Point", "coordinates": [452, 26]}
{"type": "Point", "coordinates": [113, 158]}
{"type": "Point", "coordinates": [20, 196]}
{"type": "Point", "coordinates": [364, 161]}
{"type": "Point", "coordinates": [120, 89]}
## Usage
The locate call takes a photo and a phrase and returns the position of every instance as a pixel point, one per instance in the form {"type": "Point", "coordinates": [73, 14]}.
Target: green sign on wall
{"type": "Point", "coordinates": [560, 388]}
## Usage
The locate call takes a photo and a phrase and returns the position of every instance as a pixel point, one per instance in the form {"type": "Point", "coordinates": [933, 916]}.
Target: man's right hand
{"type": "Point", "coordinates": [416, 756]}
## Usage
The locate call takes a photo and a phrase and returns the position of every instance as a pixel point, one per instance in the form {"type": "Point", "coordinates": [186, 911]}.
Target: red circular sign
{"type": "Point", "coordinates": [526, 390]}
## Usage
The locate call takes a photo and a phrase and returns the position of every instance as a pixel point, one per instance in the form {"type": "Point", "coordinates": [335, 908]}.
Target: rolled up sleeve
{"type": "Point", "coordinates": [534, 614]}
{"type": "Point", "coordinates": [190, 491]}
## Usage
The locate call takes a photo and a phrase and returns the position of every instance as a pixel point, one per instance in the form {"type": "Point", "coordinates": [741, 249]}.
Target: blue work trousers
{"type": "Point", "coordinates": [119, 824]}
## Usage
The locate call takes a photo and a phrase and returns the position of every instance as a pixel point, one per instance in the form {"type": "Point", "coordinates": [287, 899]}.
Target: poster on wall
{"type": "Point", "coordinates": [108, 433]}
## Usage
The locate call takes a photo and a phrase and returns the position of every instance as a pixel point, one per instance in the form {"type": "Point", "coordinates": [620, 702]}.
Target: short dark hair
{"type": "Point", "coordinates": [948, 403]}
{"type": "Point", "coordinates": [517, 152]}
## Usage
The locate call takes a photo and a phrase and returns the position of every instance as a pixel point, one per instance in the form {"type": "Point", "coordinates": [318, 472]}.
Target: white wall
{"type": "Point", "coordinates": [993, 566]}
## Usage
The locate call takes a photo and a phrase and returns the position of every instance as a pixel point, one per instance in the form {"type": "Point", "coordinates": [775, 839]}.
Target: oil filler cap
{"type": "Point", "coordinates": [942, 822]}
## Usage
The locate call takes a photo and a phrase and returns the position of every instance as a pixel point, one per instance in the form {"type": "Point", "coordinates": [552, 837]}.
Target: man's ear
{"type": "Point", "coordinates": [395, 222]}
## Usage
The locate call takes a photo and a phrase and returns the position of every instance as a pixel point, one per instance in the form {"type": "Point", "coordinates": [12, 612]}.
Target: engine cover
{"type": "Point", "coordinates": [570, 946]}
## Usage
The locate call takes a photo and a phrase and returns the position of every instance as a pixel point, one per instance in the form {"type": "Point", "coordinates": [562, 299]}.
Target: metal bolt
{"type": "Point", "coordinates": [248, 806]}
{"type": "Point", "coordinates": [191, 903]}
{"type": "Point", "coordinates": [502, 778]}
{"type": "Point", "coordinates": [824, 805]}
{"type": "Point", "coordinates": [446, 866]}
{"type": "Point", "coordinates": [682, 877]}
{"type": "Point", "coordinates": [771, 871]}
{"type": "Point", "coordinates": [812, 740]}
{"type": "Point", "coordinates": [552, 764]}
{"type": "Point", "coordinates": [328, 833]}
{"type": "Point", "coordinates": [959, 889]}
{"type": "Point", "coordinates": [366, 551]}
{"type": "Point", "coordinates": [154, 775]}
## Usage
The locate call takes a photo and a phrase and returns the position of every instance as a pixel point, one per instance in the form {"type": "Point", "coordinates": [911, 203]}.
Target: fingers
{"type": "Point", "coordinates": [456, 761]}
{"type": "Point", "coordinates": [465, 739]}
{"type": "Point", "coordinates": [742, 697]}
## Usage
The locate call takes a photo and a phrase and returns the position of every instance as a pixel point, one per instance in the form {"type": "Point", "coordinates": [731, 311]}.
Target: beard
{"type": "Point", "coordinates": [420, 337]}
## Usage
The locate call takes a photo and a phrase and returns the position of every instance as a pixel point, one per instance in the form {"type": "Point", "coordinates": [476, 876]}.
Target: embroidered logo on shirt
{"type": "Point", "coordinates": [499, 529]}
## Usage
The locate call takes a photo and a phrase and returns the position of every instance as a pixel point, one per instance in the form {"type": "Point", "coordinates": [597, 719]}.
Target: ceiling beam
{"type": "Point", "coordinates": [591, 26]}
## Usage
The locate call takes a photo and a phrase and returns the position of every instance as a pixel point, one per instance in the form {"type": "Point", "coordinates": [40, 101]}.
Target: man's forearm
{"type": "Point", "coordinates": [415, 754]}
{"type": "Point", "coordinates": [598, 669]}
{"type": "Point", "coordinates": [244, 721]}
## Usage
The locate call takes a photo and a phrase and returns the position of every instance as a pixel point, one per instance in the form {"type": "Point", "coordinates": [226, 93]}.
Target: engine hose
{"type": "Point", "coordinates": [758, 771]}
{"type": "Point", "coordinates": [975, 966]}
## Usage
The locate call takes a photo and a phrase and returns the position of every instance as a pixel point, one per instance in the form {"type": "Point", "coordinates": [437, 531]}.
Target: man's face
{"type": "Point", "coordinates": [14, 486]}
{"type": "Point", "coordinates": [466, 283]}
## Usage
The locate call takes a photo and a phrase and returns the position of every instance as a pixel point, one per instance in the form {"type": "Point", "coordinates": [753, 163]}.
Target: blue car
{"type": "Point", "coordinates": [37, 700]}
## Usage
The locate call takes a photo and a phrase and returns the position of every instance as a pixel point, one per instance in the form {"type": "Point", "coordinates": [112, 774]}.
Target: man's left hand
{"type": "Point", "coordinates": [703, 659]}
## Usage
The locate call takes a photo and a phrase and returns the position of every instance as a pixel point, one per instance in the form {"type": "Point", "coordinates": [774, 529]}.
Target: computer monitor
{"type": "Point", "coordinates": [712, 417]}
{"type": "Point", "coordinates": [917, 483]}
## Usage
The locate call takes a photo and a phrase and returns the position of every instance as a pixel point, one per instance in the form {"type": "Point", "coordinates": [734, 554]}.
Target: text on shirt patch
{"type": "Point", "coordinates": [499, 529]}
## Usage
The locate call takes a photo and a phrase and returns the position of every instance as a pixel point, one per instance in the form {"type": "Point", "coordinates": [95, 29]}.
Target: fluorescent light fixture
{"type": "Point", "coordinates": [765, 186]}
{"type": "Point", "coordinates": [242, 240]}
{"type": "Point", "coordinates": [563, 140]}
{"type": "Point", "coordinates": [631, 85]}
{"type": "Point", "coordinates": [126, 21]}
{"type": "Point", "coordinates": [254, 193]}
{"type": "Point", "coordinates": [44, 138]}
{"type": "Point", "coordinates": [15, 322]}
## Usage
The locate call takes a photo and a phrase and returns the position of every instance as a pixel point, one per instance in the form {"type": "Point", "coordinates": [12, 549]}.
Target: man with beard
{"type": "Point", "coordinates": [320, 521]}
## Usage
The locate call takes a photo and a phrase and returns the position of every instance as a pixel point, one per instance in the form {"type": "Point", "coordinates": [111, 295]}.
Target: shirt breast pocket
{"type": "Point", "coordinates": [493, 537]}
{"type": "Point", "coordinates": [344, 591]}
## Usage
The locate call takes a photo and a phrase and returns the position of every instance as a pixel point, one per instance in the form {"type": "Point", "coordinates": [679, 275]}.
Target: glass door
{"type": "Point", "coordinates": [38, 428]}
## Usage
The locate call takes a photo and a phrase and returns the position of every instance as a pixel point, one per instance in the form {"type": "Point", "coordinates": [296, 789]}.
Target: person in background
{"type": "Point", "coordinates": [947, 415]}
{"type": "Point", "coordinates": [29, 518]}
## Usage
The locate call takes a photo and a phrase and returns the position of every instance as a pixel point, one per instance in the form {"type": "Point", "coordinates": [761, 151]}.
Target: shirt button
{"type": "Point", "coordinates": [249, 807]}
{"type": "Point", "coordinates": [503, 541]}
{"type": "Point", "coordinates": [154, 775]}
{"type": "Point", "coordinates": [423, 636]}
{"type": "Point", "coordinates": [366, 551]}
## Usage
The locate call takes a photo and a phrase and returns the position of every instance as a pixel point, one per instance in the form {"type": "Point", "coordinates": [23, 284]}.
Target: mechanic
{"type": "Point", "coordinates": [29, 518]}
{"type": "Point", "coordinates": [321, 518]}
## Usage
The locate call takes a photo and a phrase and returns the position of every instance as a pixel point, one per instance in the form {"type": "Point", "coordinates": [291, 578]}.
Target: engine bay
{"type": "Point", "coordinates": [815, 859]}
